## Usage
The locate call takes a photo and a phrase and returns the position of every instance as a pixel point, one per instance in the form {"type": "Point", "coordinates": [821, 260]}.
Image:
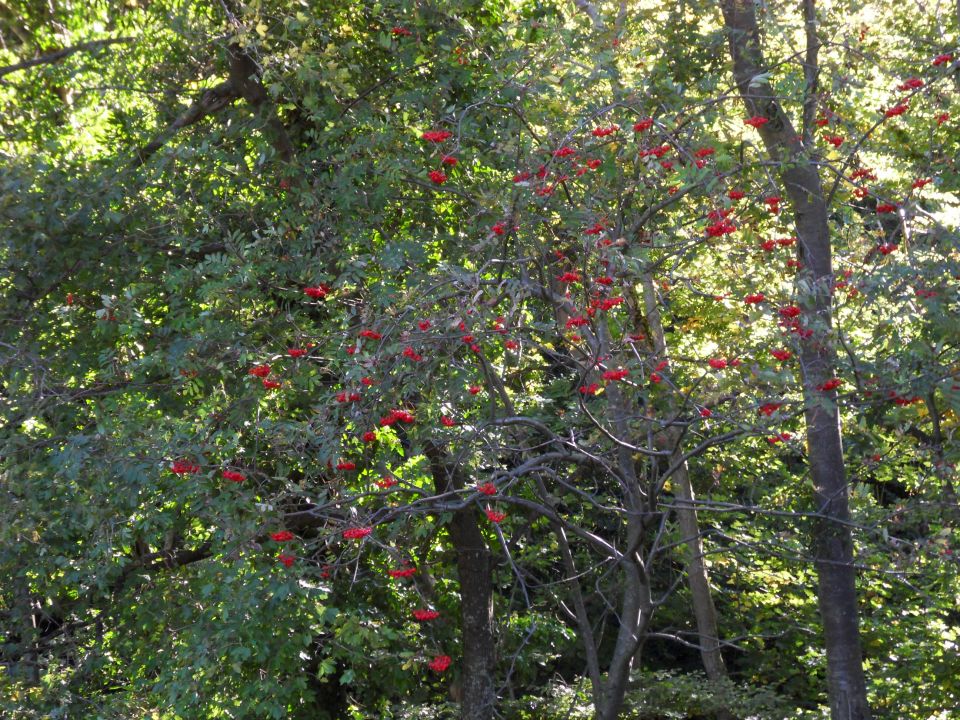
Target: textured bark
{"type": "Point", "coordinates": [475, 573]}
{"type": "Point", "coordinates": [833, 547]}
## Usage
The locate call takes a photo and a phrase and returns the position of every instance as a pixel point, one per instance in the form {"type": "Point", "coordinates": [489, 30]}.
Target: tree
{"type": "Point", "coordinates": [361, 359]}
{"type": "Point", "coordinates": [801, 181]}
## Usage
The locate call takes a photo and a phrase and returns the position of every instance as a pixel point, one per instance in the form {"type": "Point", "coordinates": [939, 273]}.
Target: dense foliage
{"type": "Point", "coordinates": [310, 310]}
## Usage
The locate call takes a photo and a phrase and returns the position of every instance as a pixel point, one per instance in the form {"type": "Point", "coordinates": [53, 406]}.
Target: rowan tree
{"type": "Point", "coordinates": [499, 359]}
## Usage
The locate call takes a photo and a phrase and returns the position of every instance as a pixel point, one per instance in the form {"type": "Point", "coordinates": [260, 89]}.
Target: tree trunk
{"type": "Point", "coordinates": [26, 665]}
{"type": "Point", "coordinates": [636, 604]}
{"type": "Point", "coordinates": [697, 578]}
{"type": "Point", "coordinates": [703, 608]}
{"type": "Point", "coordinates": [636, 610]}
{"type": "Point", "coordinates": [475, 573]}
{"type": "Point", "coordinates": [476, 615]}
{"type": "Point", "coordinates": [833, 547]}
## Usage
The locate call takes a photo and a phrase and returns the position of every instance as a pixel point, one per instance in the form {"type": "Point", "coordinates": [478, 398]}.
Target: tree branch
{"type": "Point", "coordinates": [59, 55]}
{"type": "Point", "coordinates": [211, 101]}
{"type": "Point", "coordinates": [811, 70]}
{"type": "Point", "coordinates": [243, 82]}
